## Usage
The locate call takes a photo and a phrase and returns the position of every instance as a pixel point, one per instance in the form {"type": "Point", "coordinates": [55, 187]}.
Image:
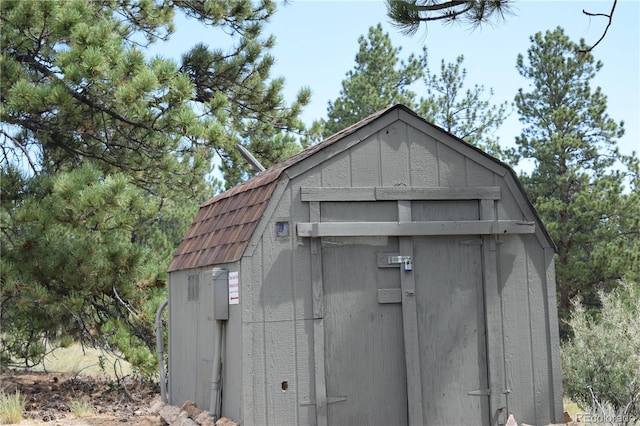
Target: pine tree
{"type": "Point", "coordinates": [378, 80]}
{"type": "Point", "coordinates": [72, 266]}
{"type": "Point", "coordinates": [584, 189]}
{"type": "Point", "coordinates": [106, 154]}
{"type": "Point", "coordinates": [464, 113]}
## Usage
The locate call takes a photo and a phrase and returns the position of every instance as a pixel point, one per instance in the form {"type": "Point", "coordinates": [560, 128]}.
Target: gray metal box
{"type": "Point", "coordinates": [220, 294]}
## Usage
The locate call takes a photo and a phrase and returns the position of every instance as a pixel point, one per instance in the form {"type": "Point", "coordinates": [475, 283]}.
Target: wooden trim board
{"type": "Point", "coordinates": [394, 193]}
{"type": "Point", "coordinates": [453, 227]}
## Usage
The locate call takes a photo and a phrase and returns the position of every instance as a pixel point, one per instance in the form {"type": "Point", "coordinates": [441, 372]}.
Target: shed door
{"type": "Point", "coordinates": [448, 276]}
{"type": "Point", "coordinates": [367, 380]}
{"type": "Point", "coordinates": [364, 358]}
{"type": "Point", "coordinates": [451, 330]}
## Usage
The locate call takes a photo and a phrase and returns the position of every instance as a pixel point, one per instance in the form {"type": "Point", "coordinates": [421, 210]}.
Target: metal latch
{"type": "Point", "coordinates": [406, 260]}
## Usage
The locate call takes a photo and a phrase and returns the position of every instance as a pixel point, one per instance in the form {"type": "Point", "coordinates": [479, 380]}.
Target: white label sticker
{"type": "Point", "coordinates": [234, 288]}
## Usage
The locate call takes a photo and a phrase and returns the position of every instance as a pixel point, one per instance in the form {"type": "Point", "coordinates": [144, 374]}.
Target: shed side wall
{"type": "Point", "coordinates": [530, 352]}
{"type": "Point", "coordinates": [183, 348]}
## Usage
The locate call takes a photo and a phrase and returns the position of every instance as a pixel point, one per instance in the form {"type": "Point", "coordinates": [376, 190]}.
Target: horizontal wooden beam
{"type": "Point", "coordinates": [454, 227]}
{"type": "Point", "coordinates": [422, 193]}
{"type": "Point", "coordinates": [338, 194]}
{"type": "Point", "coordinates": [393, 193]}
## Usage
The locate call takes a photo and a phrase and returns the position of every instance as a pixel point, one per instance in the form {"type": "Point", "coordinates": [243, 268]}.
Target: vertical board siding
{"type": "Point", "coordinates": [276, 288]}
{"type": "Point", "coordinates": [255, 403]}
{"type": "Point", "coordinates": [493, 314]}
{"type": "Point", "coordinates": [555, 393]}
{"type": "Point", "coordinates": [233, 356]}
{"type": "Point", "coordinates": [276, 298]}
{"type": "Point", "coordinates": [538, 326]}
{"type": "Point", "coordinates": [508, 207]}
{"type": "Point", "coordinates": [444, 210]}
{"type": "Point", "coordinates": [365, 163]}
{"type": "Point", "coordinates": [319, 346]}
{"type": "Point", "coordinates": [423, 158]}
{"type": "Point", "coordinates": [368, 211]}
{"type": "Point", "coordinates": [526, 209]}
{"type": "Point", "coordinates": [250, 299]}
{"type": "Point", "coordinates": [451, 167]}
{"type": "Point", "coordinates": [336, 172]}
{"type": "Point", "coordinates": [517, 338]}
{"type": "Point", "coordinates": [205, 334]}
{"type": "Point", "coordinates": [280, 367]}
{"type": "Point", "coordinates": [260, 408]}
{"type": "Point", "coordinates": [394, 155]}
{"type": "Point", "coordinates": [305, 382]}
{"type": "Point", "coordinates": [299, 212]}
{"type": "Point", "coordinates": [276, 285]}
{"type": "Point", "coordinates": [302, 306]}
{"type": "Point", "coordinates": [249, 364]}
{"type": "Point", "coordinates": [184, 316]}
{"type": "Point", "coordinates": [302, 303]}
{"type": "Point", "coordinates": [410, 325]}
{"type": "Point", "coordinates": [478, 175]}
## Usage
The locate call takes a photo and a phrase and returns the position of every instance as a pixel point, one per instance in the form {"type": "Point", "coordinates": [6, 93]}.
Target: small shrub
{"type": "Point", "coordinates": [601, 363]}
{"type": "Point", "coordinates": [11, 407]}
{"type": "Point", "coordinates": [81, 408]}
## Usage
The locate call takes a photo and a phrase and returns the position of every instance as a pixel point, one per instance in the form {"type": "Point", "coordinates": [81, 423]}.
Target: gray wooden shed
{"type": "Point", "coordinates": [391, 274]}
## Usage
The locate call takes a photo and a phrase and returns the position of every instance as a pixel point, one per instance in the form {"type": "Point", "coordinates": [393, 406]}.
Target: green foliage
{"type": "Point", "coordinates": [107, 153]}
{"type": "Point", "coordinates": [601, 362]}
{"type": "Point", "coordinates": [76, 87]}
{"type": "Point", "coordinates": [463, 113]}
{"type": "Point", "coordinates": [235, 87]}
{"type": "Point", "coordinates": [71, 265]}
{"type": "Point", "coordinates": [409, 14]}
{"type": "Point", "coordinates": [584, 189]}
{"type": "Point", "coordinates": [11, 407]}
{"type": "Point", "coordinates": [380, 79]}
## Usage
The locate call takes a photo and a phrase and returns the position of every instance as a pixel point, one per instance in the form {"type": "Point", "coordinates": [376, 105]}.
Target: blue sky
{"type": "Point", "coordinates": [316, 43]}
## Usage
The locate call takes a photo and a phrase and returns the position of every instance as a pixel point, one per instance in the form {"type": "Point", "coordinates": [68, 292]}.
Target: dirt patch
{"type": "Point", "coordinates": [50, 398]}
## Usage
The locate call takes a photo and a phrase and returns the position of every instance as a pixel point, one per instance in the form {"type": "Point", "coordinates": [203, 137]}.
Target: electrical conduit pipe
{"type": "Point", "coordinates": [216, 374]}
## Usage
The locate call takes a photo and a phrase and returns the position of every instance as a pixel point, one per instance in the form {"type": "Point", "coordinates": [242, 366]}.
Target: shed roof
{"type": "Point", "coordinates": [224, 225]}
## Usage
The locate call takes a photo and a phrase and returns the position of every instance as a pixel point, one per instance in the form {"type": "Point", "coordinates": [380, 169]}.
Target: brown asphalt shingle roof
{"type": "Point", "coordinates": [223, 226]}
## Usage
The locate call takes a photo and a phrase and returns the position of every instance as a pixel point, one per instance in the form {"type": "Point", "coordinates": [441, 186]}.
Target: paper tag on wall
{"type": "Point", "coordinates": [234, 288]}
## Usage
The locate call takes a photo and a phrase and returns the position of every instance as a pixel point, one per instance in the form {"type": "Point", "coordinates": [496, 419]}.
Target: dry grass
{"type": "Point", "coordinates": [86, 361]}
{"type": "Point", "coordinates": [81, 408]}
{"type": "Point", "coordinates": [571, 407]}
{"type": "Point", "coordinates": [11, 407]}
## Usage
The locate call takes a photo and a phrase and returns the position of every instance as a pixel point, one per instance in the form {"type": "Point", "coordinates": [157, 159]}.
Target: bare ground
{"type": "Point", "coordinates": [49, 397]}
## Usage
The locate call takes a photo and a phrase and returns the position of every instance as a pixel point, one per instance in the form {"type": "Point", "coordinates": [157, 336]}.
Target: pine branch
{"type": "Point", "coordinates": [33, 62]}
{"type": "Point", "coordinates": [17, 143]}
{"type": "Point", "coordinates": [608, 16]}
